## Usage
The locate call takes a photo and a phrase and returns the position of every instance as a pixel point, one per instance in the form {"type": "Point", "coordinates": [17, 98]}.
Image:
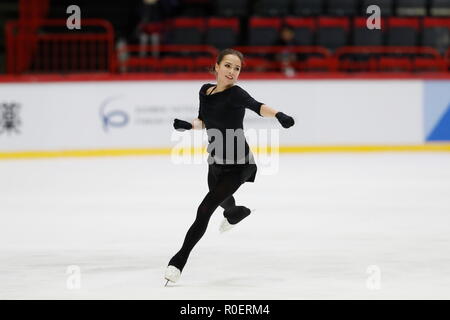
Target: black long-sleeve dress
{"type": "Point", "coordinates": [225, 110]}
{"type": "Point", "coordinates": [221, 111]}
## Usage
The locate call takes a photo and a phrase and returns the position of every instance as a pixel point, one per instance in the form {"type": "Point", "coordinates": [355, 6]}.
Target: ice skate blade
{"type": "Point", "coordinates": [172, 274]}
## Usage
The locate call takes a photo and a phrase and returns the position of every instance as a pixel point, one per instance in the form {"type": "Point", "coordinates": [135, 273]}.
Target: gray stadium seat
{"type": "Point", "coordinates": [332, 32]}
{"type": "Point", "coordinates": [187, 31]}
{"type": "Point", "coordinates": [412, 8]}
{"type": "Point", "coordinates": [222, 32]}
{"type": "Point", "coordinates": [436, 33]}
{"type": "Point", "coordinates": [402, 31]}
{"type": "Point", "coordinates": [304, 29]}
{"type": "Point", "coordinates": [263, 31]}
{"type": "Point", "coordinates": [272, 7]}
{"type": "Point", "coordinates": [231, 8]}
{"type": "Point", "coordinates": [307, 7]}
{"type": "Point", "coordinates": [362, 36]}
{"type": "Point", "coordinates": [342, 7]}
{"type": "Point", "coordinates": [440, 8]}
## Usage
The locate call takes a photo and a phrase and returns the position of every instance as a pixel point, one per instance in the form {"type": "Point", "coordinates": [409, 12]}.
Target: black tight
{"type": "Point", "coordinates": [222, 184]}
{"type": "Point", "coordinates": [214, 176]}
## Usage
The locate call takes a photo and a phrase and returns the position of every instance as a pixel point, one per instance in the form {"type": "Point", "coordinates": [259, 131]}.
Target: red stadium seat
{"type": "Point", "coordinates": [138, 64]}
{"type": "Point", "coordinates": [204, 64]}
{"type": "Point", "coordinates": [187, 22]}
{"type": "Point", "coordinates": [256, 64]}
{"type": "Point", "coordinates": [171, 64]}
{"type": "Point", "coordinates": [261, 22]}
{"type": "Point", "coordinates": [362, 36]}
{"type": "Point", "coordinates": [304, 29]}
{"type": "Point", "coordinates": [218, 22]}
{"type": "Point", "coordinates": [395, 64]}
{"type": "Point", "coordinates": [350, 65]}
{"type": "Point", "coordinates": [333, 32]}
{"type": "Point", "coordinates": [403, 31]}
{"type": "Point", "coordinates": [331, 22]}
{"type": "Point", "coordinates": [222, 32]}
{"type": "Point", "coordinates": [429, 22]}
{"type": "Point", "coordinates": [186, 30]}
{"type": "Point", "coordinates": [297, 22]}
{"type": "Point", "coordinates": [427, 64]}
{"type": "Point", "coordinates": [263, 31]}
{"type": "Point", "coordinates": [324, 64]}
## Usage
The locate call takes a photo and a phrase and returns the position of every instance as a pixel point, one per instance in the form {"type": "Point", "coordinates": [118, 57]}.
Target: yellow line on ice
{"type": "Point", "coordinates": [430, 147]}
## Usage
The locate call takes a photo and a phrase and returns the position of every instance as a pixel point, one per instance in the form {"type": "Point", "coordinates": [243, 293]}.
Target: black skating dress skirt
{"type": "Point", "coordinates": [246, 172]}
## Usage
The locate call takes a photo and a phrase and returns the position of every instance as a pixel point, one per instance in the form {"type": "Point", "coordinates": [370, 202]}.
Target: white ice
{"type": "Point", "coordinates": [326, 226]}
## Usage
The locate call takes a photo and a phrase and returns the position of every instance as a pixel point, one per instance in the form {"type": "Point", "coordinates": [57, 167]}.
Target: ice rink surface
{"type": "Point", "coordinates": [326, 226]}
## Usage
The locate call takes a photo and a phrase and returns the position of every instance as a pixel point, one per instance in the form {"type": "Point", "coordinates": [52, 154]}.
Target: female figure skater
{"type": "Point", "coordinates": [222, 107]}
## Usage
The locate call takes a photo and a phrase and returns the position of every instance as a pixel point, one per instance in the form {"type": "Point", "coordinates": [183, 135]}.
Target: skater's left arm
{"type": "Point", "coordinates": [285, 120]}
{"type": "Point", "coordinates": [262, 109]}
{"type": "Point", "coordinates": [267, 111]}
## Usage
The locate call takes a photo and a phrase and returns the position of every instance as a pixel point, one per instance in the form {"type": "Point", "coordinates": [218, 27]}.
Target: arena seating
{"type": "Point", "coordinates": [263, 31]}
{"type": "Point", "coordinates": [222, 32]}
{"type": "Point", "coordinates": [436, 33]}
{"type": "Point", "coordinates": [304, 30]}
{"type": "Point", "coordinates": [333, 32]}
{"type": "Point", "coordinates": [333, 25]}
{"type": "Point", "coordinates": [362, 36]}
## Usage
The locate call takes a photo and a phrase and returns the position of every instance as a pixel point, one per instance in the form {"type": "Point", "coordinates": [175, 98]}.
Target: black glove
{"type": "Point", "coordinates": [285, 120]}
{"type": "Point", "coordinates": [181, 125]}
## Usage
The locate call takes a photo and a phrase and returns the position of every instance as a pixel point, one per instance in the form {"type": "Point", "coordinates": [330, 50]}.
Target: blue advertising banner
{"type": "Point", "coordinates": [437, 110]}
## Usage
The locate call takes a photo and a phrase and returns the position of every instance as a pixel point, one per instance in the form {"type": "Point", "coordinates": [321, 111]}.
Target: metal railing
{"type": "Point", "coordinates": [45, 46]}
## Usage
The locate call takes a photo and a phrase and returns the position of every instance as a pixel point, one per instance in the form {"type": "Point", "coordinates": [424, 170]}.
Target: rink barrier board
{"type": "Point", "coordinates": [409, 143]}
{"type": "Point", "coordinates": [169, 151]}
{"type": "Point", "coordinates": [106, 115]}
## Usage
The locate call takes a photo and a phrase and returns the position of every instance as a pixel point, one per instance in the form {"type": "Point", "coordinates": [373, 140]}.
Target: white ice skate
{"type": "Point", "coordinates": [225, 225]}
{"type": "Point", "coordinates": [172, 274]}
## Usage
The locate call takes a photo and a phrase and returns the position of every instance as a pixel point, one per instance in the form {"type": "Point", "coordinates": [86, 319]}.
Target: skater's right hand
{"type": "Point", "coordinates": [285, 120]}
{"type": "Point", "coordinates": [181, 125]}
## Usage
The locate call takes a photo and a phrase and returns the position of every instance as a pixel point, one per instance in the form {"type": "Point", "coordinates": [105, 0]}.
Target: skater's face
{"type": "Point", "coordinates": [228, 69]}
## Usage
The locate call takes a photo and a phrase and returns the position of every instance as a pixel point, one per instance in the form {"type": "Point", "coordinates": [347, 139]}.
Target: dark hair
{"type": "Point", "coordinates": [225, 52]}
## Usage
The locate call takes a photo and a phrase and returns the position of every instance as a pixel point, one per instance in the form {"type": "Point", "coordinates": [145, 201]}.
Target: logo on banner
{"type": "Point", "coordinates": [9, 118]}
{"type": "Point", "coordinates": [112, 117]}
{"type": "Point", "coordinates": [441, 130]}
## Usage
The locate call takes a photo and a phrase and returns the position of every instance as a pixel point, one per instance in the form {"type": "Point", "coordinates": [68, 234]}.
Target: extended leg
{"type": "Point", "coordinates": [224, 188]}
